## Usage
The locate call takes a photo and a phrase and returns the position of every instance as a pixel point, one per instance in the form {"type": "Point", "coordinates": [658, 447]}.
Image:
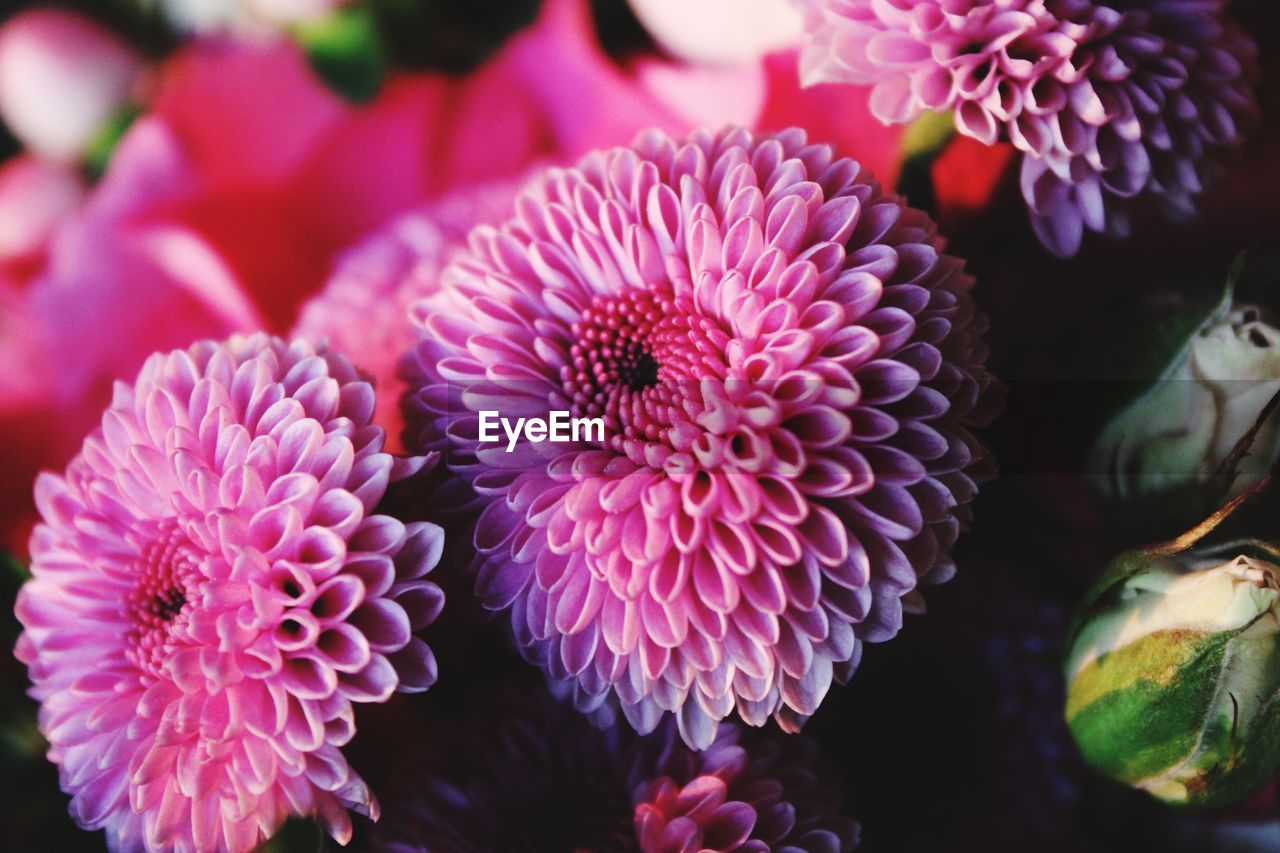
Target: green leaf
{"type": "Point", "coordinates": [14, 569]}
{"type": "Point", "coordinates": [345, 49]}
{"type": "Point", "coordinates": [928, 134]}
{"type": "Point", "coordinates": [1256, 274]}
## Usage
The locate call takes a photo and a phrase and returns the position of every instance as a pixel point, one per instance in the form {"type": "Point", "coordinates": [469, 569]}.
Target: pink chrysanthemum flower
{"type": "Point", "coordinates": [1107, 100]}
{"type": "Point", "coordinates": [212, 592]}
{"type": "Point", "coordinates": [744, 794]}
{"type": "Point", "coordinates": [787, 370]}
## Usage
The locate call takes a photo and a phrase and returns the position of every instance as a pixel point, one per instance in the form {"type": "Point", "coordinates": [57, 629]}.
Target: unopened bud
{"type": "Point", "coordinates": [1173, 673]}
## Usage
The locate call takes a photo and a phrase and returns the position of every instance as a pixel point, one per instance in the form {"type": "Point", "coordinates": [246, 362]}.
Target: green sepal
{"type": "Point", "coordinates": [1108, 584]}
{"type": "Point", "coordinates": [1138, 726]}
{"type": "Point", "coordinates": [1252, 759]}
{"type": "Point", "coordinates": [1131, 362]}
{"type": "Point", "coordinates": [1162, 715]}
{"type": "Point", "coordinates": [1190, 715]}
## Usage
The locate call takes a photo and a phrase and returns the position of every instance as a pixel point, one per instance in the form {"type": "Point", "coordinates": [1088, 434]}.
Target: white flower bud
{"type": "Point", "coordinates": [244, 17]}
{"type": "Point", "coordinates": [1178, 434]}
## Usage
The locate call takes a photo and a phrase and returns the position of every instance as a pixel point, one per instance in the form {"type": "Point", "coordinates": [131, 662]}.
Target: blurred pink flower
{"type": "Point", "coordinates": [36, 196]}
{"type": "Point", "coordinates": [226, 206]}
{"type": "Point", "coordinates": [211, 592]}
{"type": "Point", "coordinates": [288, 175]}
{"type": "Point", "coordinates": [62, 78]}
{"type": "Point", "coordinates": [92, 289]}
{"type": "Point", "coordinates": [787, 369]}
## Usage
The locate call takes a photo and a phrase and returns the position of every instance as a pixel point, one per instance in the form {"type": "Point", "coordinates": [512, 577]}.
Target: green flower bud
{"type": "Point", "coordinates": [1173, 675]}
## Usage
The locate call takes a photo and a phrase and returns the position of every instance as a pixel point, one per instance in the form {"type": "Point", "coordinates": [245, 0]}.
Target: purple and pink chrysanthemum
{"type": "Point", "coordinates": [746, 793]}
{"type": "Point", "coordinates": [212, 592]}
{"type": "Point", "coordinates": [531, 774]}
{"type": "Point", "coordinates": [1108, 101]}
{"type": "Point", "coordinates": [787, 367]}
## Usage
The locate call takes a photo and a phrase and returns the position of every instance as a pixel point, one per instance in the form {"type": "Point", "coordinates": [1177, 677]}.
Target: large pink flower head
{"type": "Point", "coordinates": [786, 370]}
{"type": "Point", "coordinates": [212, 592]}
{"type": "Point", "coordinates": [1107, 100]}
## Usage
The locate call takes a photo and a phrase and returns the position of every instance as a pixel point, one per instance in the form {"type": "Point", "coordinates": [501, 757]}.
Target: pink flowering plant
{"type": "Point", "coordinates": [786, 369]}
{"type": "Point", "coordinates": [213, 593]}
{"type": "Point", "coordinates": [1107, 101]}
{"type": "Point", "coordinates": [452, 426]}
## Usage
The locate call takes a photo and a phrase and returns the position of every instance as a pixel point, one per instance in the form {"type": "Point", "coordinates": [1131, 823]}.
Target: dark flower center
{"type": "Point", "coordinates": [613, 349]}
{"type": "Point", "coordinates": [166, 605]}
{"type": "Point", "coordinates": [639, 361]}
{"type": "Point", "coordinates": [167, 569]}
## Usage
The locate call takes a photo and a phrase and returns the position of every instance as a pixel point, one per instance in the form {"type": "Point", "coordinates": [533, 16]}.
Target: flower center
{"type": "Point", "coordinates": [639, 362]}
{"type": "Point", "coordinates": [165, 605]}
{"type": "Point", "coordinates": [614, 349]}
{"type": "Point", "coordinates": [159, 603]}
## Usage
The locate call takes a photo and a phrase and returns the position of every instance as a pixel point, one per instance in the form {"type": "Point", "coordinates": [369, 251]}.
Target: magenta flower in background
{"type": "Point", "coordinates": [527, 773]}
{"type": "Point", "coordinates": [788, 370]}
{"type": "Point", "coordinates": [1108, 101]}
{"type": "Point", "coordinates": [212, 593]}
{"type": "Point", "coordinates": [92, 286]}
{"type": "Point", "coordinates": [748, 793]}
{"type": "Point", "coordinates": [36, 197]}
